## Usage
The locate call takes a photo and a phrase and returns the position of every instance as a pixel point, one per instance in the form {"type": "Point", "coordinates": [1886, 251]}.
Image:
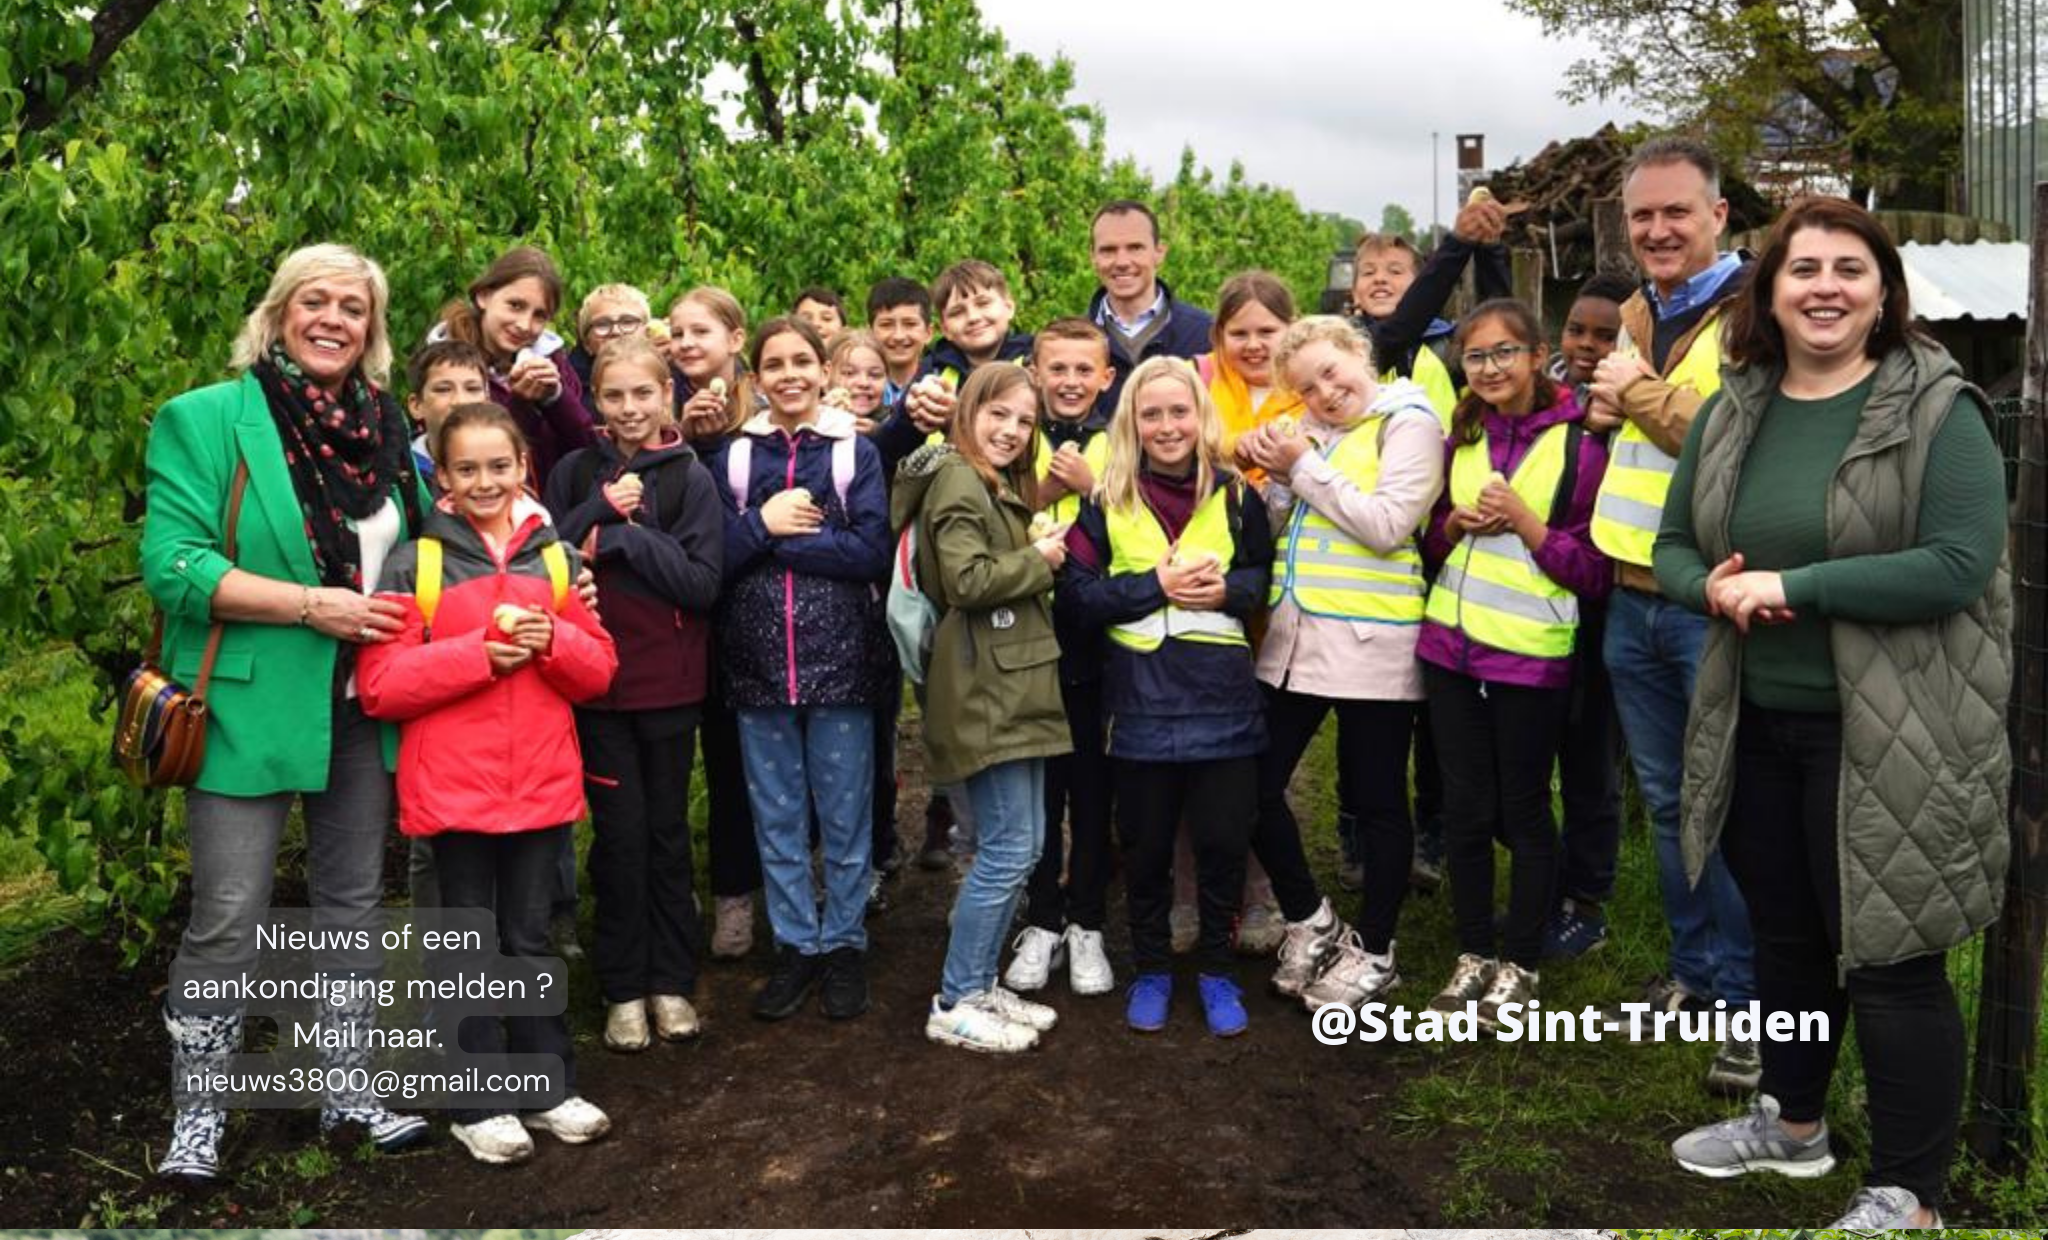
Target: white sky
{"type": "Point", "coordinates": [1333, 99]}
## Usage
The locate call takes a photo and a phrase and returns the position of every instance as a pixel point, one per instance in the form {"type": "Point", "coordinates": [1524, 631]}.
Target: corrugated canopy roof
{"type": "Point", "coordinates": [1985, 280]}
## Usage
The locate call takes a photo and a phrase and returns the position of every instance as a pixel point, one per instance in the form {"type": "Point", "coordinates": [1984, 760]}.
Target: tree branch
{"type": "Point", "coordinates": [111, 27]}
{"type": "Point", "coordinates": [765, 100]}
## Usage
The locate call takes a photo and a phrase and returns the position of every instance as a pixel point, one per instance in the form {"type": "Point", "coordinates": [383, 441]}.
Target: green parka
{"type": "Point", "coordinates": [1926, 765]}
{"type": "Point", "coordinates": [992, 692]}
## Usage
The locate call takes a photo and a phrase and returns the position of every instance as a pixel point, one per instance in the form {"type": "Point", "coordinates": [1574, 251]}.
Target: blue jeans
{"type": "Point", "coordinates": [1653, 651]}
{"type": "Point", "coordinates": [1009, 818]}
{"type": "Point", "coordinates": [796, 757]}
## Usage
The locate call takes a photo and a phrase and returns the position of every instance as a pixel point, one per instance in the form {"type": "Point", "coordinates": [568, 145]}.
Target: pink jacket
{"type": "Point", "coordinates": [1351, 659]}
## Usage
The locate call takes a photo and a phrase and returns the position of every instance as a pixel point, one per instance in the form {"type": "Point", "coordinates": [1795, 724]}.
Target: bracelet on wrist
{"type": "Point", "coordinates": [305, 606]}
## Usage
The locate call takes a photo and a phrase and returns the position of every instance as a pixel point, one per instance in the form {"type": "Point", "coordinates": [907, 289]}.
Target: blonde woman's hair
{"type": "Point", "coordinates": [1321, 329]}
{"type": "Point", "coordinates": [302, 266]}
{"type": "Point", "coordinates": [991, 382]}
{"type": "Point", "coordinates": [1118, 486]}
{"type": "Point", "coordinates": [604, 294]}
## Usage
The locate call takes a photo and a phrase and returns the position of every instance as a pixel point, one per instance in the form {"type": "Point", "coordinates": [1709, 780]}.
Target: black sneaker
{"type": "Point", "coordinates": [784, 994]}
{"type": "Point", "coordinates": [938, 828]}
{"type": "Point", "coordinates": [843, 994]}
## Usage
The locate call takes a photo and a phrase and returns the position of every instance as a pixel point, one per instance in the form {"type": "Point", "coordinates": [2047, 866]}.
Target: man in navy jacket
{"type": "Point", "coordinates": [1133, 306]}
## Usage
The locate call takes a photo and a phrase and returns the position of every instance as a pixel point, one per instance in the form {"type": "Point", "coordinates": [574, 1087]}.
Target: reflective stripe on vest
{"type": "Point", "coordinates": [1095, 452]}
{"type": "Point", "coordinates": [1490, 588]}
{"type": "Point", "coordinates": [1434, 379]}
{"type": "Point", "coordinates": [1138, 543]}
{"type": "Point", "coordinates": [1327, 572]}
{"type": "Point", "coordinates": [1631, 503]}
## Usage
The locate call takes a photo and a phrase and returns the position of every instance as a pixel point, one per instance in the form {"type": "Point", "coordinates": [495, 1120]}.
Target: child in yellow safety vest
{"type": "Point", "coordinates": [1510, 535]}
{"type": "Point", "coordinates": [1351, 485]}
{"type": "Point", "coordinates": [1171, 556]}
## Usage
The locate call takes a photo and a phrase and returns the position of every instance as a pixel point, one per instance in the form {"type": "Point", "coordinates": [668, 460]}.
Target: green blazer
{"type": "Point", "coordinates": [271, 700]}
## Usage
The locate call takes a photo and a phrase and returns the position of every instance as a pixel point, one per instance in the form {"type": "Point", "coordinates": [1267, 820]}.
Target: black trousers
{"type": "Point", "coordinates": [1497, 744]}
{"type": "Point", "coordinates": [1781, 846]}
{"type": "Point", "coordinates": [1218, 801]}
{"type": "Point", "coordinates": [1077, 789]}
{"type": "Point", "coordinates": [636, 770]}
{"type": "Point", "coordinates": [1589, 771]}
{"type": "Point", "coordinates": [735, 862]}
{"type": "Point", "coordinates": [512, 875]}
{"type": "Point", "coordinates": [1372, 757]}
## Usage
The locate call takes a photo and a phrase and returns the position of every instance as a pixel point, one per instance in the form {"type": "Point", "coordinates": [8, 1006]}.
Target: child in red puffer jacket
{"type": "Point", "coordinates": [496, 646]}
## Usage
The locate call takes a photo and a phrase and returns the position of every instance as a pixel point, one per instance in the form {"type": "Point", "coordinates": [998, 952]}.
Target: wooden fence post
{"type": "Point", "coordinates": [2000, 1129]}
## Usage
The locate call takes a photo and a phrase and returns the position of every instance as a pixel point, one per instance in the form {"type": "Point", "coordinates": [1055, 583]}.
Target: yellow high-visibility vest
{"type": "Point", "coordinates": [1490, 587]}
{"type": "Point", "coordinates": [1327, 572]}
{"type": "Point", "coordinates": [1137, 544]}
{"type": "Point", "coordinates": [1631, 503]}
{"type": "Point", "coordinates": [1434, 378]}
{"type": "Point", "coordinates": [1095, 452]}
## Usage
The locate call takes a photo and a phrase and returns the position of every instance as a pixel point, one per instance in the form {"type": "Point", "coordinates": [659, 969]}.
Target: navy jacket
{"type": "Point", "coordinates": [1414, 324]}
{"type": "Point", "coordinates": [801, 622]}
{"type": "Point", "coordinates": [1186, 701]}
{"type": "Point", "coordinates": [1185, 334]}
{"type": "Point", "coordinates": [658, 570]}
{"type": "Point", "coordinates": [897, 437]}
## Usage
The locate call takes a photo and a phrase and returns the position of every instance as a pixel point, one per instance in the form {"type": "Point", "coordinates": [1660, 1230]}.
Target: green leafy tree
{"type": "Point", "coordinates": [1885, 75]}
{"type": "Point", "coordinates": [156, 160]}
{"type": "Point", "coordinates": [1395, 221]}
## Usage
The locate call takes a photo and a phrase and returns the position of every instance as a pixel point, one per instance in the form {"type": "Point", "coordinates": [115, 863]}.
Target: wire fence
{"type": "Point", "coordinates": [1999, 980]}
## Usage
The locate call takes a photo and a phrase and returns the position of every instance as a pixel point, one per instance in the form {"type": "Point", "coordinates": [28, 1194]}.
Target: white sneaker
{"type": "Point", "coordinates": [625, 1026]}
{"type": "Point", "coordinates": [1261, 930]}
{"type": "Point", "coordinates": [1038, 950]}
{"type": "Point", "coordinates": [497, 1140]}
{"type": "Point", "coordinates": [674, 1018]}
{"type": "Point", "coordinates": [573, 1121]}
{"type": "Point", "coordinates": [973, 1024]}
{"type": "Point", "coordinates": [1184, 925]}
{"type": "Point", "coordinates": [1303, 949]}
{"type": "Point", "coordinates": [1088, 968]}
{"type": "Point", "coordinates": [1353, 976]}
{"type": "Point", "coordinates": [732, 929]}
{"type": "Point", "coordinates": [1022, 1011]}
{"type": "Point", "coordinates": [1511, 984]}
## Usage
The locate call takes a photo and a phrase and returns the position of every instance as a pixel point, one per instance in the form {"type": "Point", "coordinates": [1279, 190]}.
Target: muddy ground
{"type": "Point", "coordinates": [803, 1123]}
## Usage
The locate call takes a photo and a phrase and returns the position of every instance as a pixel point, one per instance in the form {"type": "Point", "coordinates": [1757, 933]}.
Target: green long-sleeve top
{"type": "Point", "coordinates": [1779, 524]}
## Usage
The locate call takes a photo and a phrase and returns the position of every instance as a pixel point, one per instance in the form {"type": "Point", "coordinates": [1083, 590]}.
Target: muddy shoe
{"type": "Point", "coordinates": [732, 929]}
{"type": "Point", "coordinates": [625, 1026]}
{"type": "Point", "coordinates": [1305, 948]}
{"type": "Point", "coordinates": [1884, 1209]}
{"type": "Point", "coordinates": [499, 1140]}
{"type": "Point", "coordinates": [573, 1121]}
{"type": "Point", "coordinates": [562, 933]}
{"type": "Point", "coordinates": [1037, 952]}
{"type": "Point", "coordinates": [1737, 1069]}
{"type": "Point", "coordinates": [783, 995]}
{"type": "Point", "coordinates": [674, 1019]}
{"type": "Point", "coordinates": [1469, 982]}
{"type": "Point", "coordinates": [973, 1024]}
{"type": "Point", "coordinates": [1511, 984]}
{"type": "Point", "coordinates": [843, 984]}
{"type": "Point", "coordinates": [1016, 1008]}
{"type": "Point", "coordinates": [1088, 970]}
{"type": "Point", "coordinates": [1353, 976]}
{"type": "Point", "coordinates": [1260, 930]}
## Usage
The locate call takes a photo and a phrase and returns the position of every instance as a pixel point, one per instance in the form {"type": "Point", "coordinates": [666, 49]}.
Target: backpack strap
{"type": "Point", "coordinates": [426, 590]}
{"type": "Point", "coordinates": [739, 465]}
{"type": "Point", "coordinates": [556, 557]}
{"type": "Point", "coordinates": [843, 462]}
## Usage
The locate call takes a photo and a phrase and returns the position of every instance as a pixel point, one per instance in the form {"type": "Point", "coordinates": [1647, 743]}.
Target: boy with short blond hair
{"type": "Point", "coordinates": [975, 309]}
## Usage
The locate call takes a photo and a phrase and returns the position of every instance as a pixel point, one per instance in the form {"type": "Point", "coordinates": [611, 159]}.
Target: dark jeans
{"type": "Point", "coordinates": [513, 876]}
{"type": "Point", "coordinates": [1218, 801]}
{"type": "Point", "coordinates": [1372, 754]}
{"type": "Point", "coordinates": [1780, 844]}
{"type": "Point", "coordinates": [636, 772]}
{"type": "Point", "coordinates": [1497, 744]}
{"type": "Point", "coordinates": [1077, 788]}
{"type": "Point", "coordinates": [735, 862]}
{"type": "Point", "coordinates": [1589, 771]}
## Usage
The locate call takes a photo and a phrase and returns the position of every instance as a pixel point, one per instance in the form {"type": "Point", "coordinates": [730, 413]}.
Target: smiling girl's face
{"type": "Point", "coordinates": [791, 376]}
{"type": "Point", "coordinates": [1169, 424]}
{"type": "Point", "coordinates": [1005, 426]}
{"type": "Point", "coordinates": [512, 316]}
{"type": "Point", "coordinates": [861, 372]}
{"type": "Point", "coordinates": [636, 402]}
{"type": "Point", "coordinates": [1249, 339]}
{"type": "Point", "coordinates": [1333, 382]}
{"type": "Point", "coordinates": [483, 472]}
{"type": "Point", "coordinates": [701, 346]}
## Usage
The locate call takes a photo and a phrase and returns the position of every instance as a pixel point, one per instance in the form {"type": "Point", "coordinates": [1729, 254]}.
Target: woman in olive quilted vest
{"type": "Point", "coordinates": [1839, 511]}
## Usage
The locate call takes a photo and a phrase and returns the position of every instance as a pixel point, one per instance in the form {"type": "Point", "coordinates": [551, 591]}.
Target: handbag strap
{"type": "Point", "coordinates": [154, 652]}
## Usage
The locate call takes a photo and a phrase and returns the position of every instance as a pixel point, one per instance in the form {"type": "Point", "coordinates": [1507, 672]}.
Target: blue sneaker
{"type": "Point", "coordinates": [1145, 1010]}
{"type": "Point", "coordinates": [1222, 1005]}
{"type": "Point", "coordinates": [1572, 932]}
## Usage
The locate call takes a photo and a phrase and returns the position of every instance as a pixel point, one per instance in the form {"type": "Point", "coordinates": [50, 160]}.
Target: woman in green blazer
{"type": "Point", "coordinates": [331, 491]}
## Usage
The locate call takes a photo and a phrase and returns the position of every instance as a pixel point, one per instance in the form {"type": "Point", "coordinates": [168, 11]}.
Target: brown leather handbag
{"type": "Point", "coordinates": [160, 734]}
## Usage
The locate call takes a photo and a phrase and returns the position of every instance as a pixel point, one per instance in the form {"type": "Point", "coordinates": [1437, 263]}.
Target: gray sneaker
{"type": "Point", "coordinates": [1754, 1142]}
{"type": "Point", "coordinates": [1511, 983]}
{"type": "Point", "coordinates": [1469, 983]}
{"type": "Point", "coordinates": [1305, 950]}
{"type": "Point", "coordinates": [1884, 1209]}
{"type": "Point", "coordinates": [1736, 1069]}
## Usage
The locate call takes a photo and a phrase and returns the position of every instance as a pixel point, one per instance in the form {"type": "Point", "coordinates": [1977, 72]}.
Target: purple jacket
{"type": "Point", "coordinates": [1567, 556]}
{"type": "Point", "coordinates": [555, 428]}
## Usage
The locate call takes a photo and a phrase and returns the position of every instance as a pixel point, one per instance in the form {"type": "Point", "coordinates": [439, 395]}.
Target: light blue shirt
{"type": "Point", "coordinates": [1109, 318]}
{"type": "Point", "coordinates": [1696, 291]}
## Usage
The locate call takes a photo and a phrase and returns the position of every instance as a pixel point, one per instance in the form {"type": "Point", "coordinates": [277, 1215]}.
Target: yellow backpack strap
{"type": "Point", "coordinates": [557, 561]}
{"type": "Point", "coordinates": [426, 590]}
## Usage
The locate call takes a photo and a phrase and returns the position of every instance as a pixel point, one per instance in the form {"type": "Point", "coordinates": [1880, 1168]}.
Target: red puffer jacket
{"type": "Point", "coordinates": [478, 751]}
